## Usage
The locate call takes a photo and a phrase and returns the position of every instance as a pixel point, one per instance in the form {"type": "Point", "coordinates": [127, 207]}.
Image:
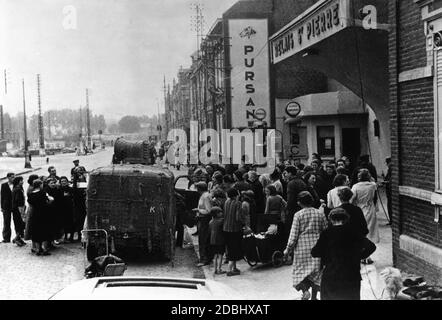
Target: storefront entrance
{"type": "Point", "coordinates": [351, 143]}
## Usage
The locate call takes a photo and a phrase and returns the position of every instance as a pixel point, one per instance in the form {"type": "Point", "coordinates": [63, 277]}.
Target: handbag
{"type": "Point", "coordinates": [368, 247]}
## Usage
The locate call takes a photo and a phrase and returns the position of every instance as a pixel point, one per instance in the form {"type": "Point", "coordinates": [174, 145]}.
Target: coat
{"type": "Point", "coordinates": [306, 228]}
{"type": "Point", "coordinates": [341, 250]}
{"type": "Point", "coordinates": [41, 220]}
{"type": "Point", "coordinates": [364, 194]}
{"type": "Point", "coordinates": [6, 197]}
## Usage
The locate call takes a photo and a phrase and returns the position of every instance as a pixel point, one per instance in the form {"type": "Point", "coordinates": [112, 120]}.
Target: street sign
{"type": "Point", "coordinates": [293, 109]}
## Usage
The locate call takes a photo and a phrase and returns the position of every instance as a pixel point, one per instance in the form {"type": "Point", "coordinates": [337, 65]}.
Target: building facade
{"type": "Point", "coordinates": [415, 90]}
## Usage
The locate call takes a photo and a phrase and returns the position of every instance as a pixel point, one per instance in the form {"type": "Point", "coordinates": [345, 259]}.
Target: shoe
{"type": "Point", "coordinates": [6, 241]}
{"type": "Point", "coordinates": [201, 264]}
{"type": "Point", "coordinates": [306, 295]}
{"type": "Point", "coordinates": [232, 273]}
{"type": "Point", "coordinates": [220, 272]}
{"type": "Point", "coordinates": [18, 243]}
{"type": "Point", "coordinates": [39, 253]}
{"type": "Point", "coordinates": [237, 271]}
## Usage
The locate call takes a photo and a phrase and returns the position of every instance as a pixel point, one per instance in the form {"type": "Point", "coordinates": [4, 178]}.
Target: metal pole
{"type": "Point", "coordinates": [27, 161]}
{"type": "Point", "coordinates": [88, 121]}
{"type": "Point", "coordinates": [2, 123]}
{"type": "Point", "coordinates": [40, 120]}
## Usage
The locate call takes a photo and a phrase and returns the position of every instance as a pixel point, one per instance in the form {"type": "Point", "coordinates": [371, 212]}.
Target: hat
{"type": "Point", "coordinates": [76, 160]}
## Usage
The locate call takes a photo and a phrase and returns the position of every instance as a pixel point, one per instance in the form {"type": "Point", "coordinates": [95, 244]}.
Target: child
{"type": "Point", "coordinates": [217, 242]}
{"type": "Point", "coordinates": [341, 250]}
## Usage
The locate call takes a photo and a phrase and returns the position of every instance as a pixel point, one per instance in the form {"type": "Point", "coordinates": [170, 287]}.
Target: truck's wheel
{"type": "Point", "coordinates": [91, 251]}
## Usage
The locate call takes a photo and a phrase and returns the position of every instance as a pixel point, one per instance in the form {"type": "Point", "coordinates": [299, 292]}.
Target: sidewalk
{"type": "Point", "coordinates": [269, 283]}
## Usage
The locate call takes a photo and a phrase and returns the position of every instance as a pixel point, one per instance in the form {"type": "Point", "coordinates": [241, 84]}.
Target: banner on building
{"type": "Point", "coordinates": [249, 59]}
{"type": "Point", "coordinates": [318, 23]}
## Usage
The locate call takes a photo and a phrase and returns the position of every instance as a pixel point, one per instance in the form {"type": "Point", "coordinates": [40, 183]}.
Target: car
{"type": "Point", "coordinates": [68, 150]}
{"type": "Point", "coordinates": [145, 288]}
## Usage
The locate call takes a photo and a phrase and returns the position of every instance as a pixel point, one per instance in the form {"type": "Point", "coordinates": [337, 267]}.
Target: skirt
{"type": "Point", "coordinates": [217, 249]}
{"type": "Point", "coordinates": [233, 244]}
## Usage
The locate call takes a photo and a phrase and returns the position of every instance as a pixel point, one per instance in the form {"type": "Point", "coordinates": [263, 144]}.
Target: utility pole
{"type": "Point", "coordinates": [166, 110]}
{"type": "Point", "coordinates": [27, 161]}
{"type": "Point", "coordinates": [159, 128]}
{"type": "Point", "coordinates": [88, 122]}
{"type": "Point", "coordinates": [197, 23]}
{"type": "Point", "coordinates": [49, 125]}
{"type": "Point", "coordinates": [2, 123]}
{"type": "Point", "coordinates": [40, 120]}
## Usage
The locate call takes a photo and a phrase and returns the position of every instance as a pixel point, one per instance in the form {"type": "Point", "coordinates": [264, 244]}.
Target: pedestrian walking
{"type": "Point", "coordinates": [67, 209]}
{"type": "Point", "coordinates": [340, 251]}
{"type": "Point", "coordinates": [248, 207]}
{"type": "Point", "coordinates": [364, 196]}
{"type": "Point", "coordinates": [217, 240]}
{"type": "Point", "coordinates": [240, 184]}
{"type": "Point", "coordinates": [333, 200]}
{"type": "Point", "coordinates": [387, 183]}
{"type": "Point", "coordinates": [275, 178]}
{"type": "Point", "coordinates": [203, 218]}
{"type": "Point", "coordinates": [308, 223]}
{"type": "Point", "coordinates": [53, 174]}
{"type": "Point", "coordinates": [310, 181]}
{"type": "Point", "coordinates": [29, 211]}
{"type": "Point", "coordinates": [41, 220]}
{"type": "Point", "coordinates": [6, 205]}
{"type": "Point", "coordinates": [79, 200]}
{"type": "Point", "coordinates": [18, 210]}
{"type": "Point", "coordinates": [295, 185]}
{"type": "Point", "coordinates": [356, 221]}
{"type": "Point", "coordinates": [364, 163]}
{"type": "Point", "coordinates": [233, 230]}
{"type": "Point", "coordinates": [55, 210]}
{"type": "Point", "coordinates": [275, 204]}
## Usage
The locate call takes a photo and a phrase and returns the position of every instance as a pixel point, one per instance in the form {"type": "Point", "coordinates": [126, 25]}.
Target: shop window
{"type": "Point", "coordinates": [326, 140]}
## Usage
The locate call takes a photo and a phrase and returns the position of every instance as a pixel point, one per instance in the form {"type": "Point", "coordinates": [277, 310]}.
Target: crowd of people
{"type": "Point", "coordinates": [325, 212]}
{"type": "Point", "coordinates": [50, 212]}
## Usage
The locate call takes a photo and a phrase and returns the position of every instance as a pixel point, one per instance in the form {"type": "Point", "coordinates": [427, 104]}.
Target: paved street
{"type": "Point", "coordinates": [26, 276]}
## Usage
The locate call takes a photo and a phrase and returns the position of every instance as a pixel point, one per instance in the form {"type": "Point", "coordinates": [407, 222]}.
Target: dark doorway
{"type": "Point", "coordinates": [351, 144]}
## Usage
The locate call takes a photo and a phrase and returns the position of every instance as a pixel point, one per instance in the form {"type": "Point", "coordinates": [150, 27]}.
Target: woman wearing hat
{"type": "Point", "coordinates": [308, 223]}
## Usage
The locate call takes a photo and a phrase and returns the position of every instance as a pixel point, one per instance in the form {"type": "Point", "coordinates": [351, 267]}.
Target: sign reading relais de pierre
{"type": "Point", "coordinates": [249, 59]}
{"type": "Point", "coordinates": [322, 20]}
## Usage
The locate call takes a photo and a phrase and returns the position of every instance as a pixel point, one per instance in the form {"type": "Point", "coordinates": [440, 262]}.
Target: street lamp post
{"type": "Point", "coordinates": [27, 160]}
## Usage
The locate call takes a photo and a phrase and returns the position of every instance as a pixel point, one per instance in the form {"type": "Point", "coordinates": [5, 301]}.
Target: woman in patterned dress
{"type": "Point", "coordinates": [308, 223]}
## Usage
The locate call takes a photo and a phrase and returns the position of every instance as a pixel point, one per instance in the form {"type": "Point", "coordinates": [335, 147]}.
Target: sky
{"type": "Point", "coordinates": [119, 49]}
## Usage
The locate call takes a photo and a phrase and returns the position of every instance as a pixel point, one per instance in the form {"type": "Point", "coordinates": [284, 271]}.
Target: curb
{"type": "Point", "coordinates": [23, 172]}
{"type": "Point", "coordinates": [206, 269]}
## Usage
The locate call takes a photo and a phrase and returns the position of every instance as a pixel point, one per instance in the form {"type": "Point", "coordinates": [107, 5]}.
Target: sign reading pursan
{"type": "Point", "coordinates": [249, 59]}
{"type": "Point", "coordinates": [324, 20]}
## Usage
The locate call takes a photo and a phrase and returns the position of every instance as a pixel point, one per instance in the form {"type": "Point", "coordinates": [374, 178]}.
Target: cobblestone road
{"type": "Point", "coordinates": [26, 276]}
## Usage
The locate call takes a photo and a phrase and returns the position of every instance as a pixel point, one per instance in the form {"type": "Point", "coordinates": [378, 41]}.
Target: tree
{"type": "Point", "coordinates": [113, 128]}
{"type": "Point", "coordinates": [129, 124]}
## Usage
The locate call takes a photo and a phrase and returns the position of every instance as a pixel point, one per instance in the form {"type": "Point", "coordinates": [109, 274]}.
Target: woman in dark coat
{"type": "Point", "coordinates": [55, 209]}
{"type": "Point", "coordinates": [79, 200]}
{"type": "Point", "coordinates": [40, 224]}
{"type": "Point", "coordinates": [67, 209]}
{"type": "Point", "coordinates": [18, 207]}
{"type": "Point", "coordinates": [341, 251]}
